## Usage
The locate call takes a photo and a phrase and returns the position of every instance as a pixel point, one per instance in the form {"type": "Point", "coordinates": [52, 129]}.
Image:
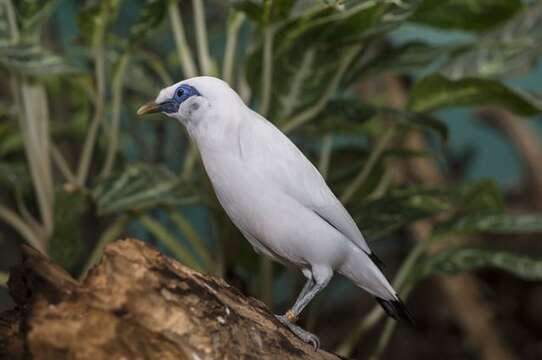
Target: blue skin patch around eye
{"type": "Point", "coordinates": [182, 93]}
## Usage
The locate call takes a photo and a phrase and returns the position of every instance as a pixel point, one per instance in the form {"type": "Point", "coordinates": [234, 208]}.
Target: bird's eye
{"type": "Point", "coordinates": [180, 92]}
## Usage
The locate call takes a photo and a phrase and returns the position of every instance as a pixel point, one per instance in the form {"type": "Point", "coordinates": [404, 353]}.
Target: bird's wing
{"type": "Point", "coordinates": [285, 167]}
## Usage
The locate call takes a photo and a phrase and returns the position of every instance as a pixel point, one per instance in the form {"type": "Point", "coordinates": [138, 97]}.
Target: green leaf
{"type": "Point", "coordinates": [436, 91]}
{"type": "Point", "coordinates": [14, 175]}
{"type": "Point", "coordinates": [34, 60]}
{"type": "Point", "coordinates": [172, 243]}
{"type": "Point", "coordinates": [482, 196]}
{"type": "Point", "coordinates": [405, 58]}
{"type": "Point", "coordinates": [255, 9]}
{"type": "Point", "coordinates": [469, 15]}
{"type": "Point", "coordinates": [452, 262]}
{"type": "Point", "coordinates": [142, 82]}
{"type": "Point", "coordinates": [280, 9]}
{"type": "Point", "coordinates": [4, 277]}
{"type": "Point", "coordinates": [308, 49]}
{"type": "Point", "coordinates": [508, 50]}
{"type": "Point", "coordinates": [418, 120]}
{"type": "Point", "coordinates": [31, 14]}
{"type": "Point", "coordinates": [491, 223]}
{"type": "Point", "coordinates": [141, 186]}
{"type": "Point", "coordinates": [108, 235]}
{"type": "Point", "coordinates": [398, 208]}
{"type": "Point", "coordinates": [11, 139]}
{"type": "Point", "coordinates": [95, 14]}
{"type": "Point", "coordinates": [8, 32]}
{"type": "Point", "coordinates": [355, 111]}
{"type": "Point", "coordinates": [334, 28]}
{"type": "Point", "coordinates": [359, 20]}
{"type": "Point", "coordinates": [151, 14]}
{"type": "Point", "coordinates": [24, 55]}
{"type": "Point", "coordinates": [404, 153]}
{"type": "Point", "coordinates": [66, 243]}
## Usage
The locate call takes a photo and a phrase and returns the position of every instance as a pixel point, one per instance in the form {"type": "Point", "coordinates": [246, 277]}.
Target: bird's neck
{"type": "Point", "coordinates": [217, 132]}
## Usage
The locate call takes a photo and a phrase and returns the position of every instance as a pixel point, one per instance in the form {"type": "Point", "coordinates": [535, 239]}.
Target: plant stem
{"type": "Point", "coordinates": [192, 236]}
{"type": "Point", "coordinates": [33, 121]}
{"type": "Point", "coordinates": [38, 162]}
{"type": "Point", "coordinates": [245, 92]}
{"type": "Point", "coordinates": [62, 165]}
{"type": "Point", "coordinates": [166, 238]}
{"type": "Point", "coordinates": [320, 104]}
{"type": "Point", "coordinates": [117, 92]}
{"type": "Point", "coordinates": [98, 43]}
{"type": "Point", "coordinates": [325, 155]}
{"type": "Point", "coordinates": [12, 22]}
{"type": "Point", "coordinates": [406, 268]}
{"type": "Point", "coordinates": [40, 118]}
{"type": "Point", "coordinates": [267, 66]}
{"type": "Point", "coordinates": [382, 186]}
{"type": "Point", "coordinates": [205, 62]}
{"type": "Point", "coordinates": [235, 21]}
{"type": "Point", "coordinates": [183, 50]}
{"type": "Point", "coordinates": [28, 218]}
{"type": "Point", "coordinates": [294, 96]}
{"type": "Point", "coordinates": [110, 234]}
{"type": "Point", "coordinates": [158, 67]}
{"type": "Point", "coordinates": [4, 277]}
{"type": "Point", "coordinates": [11, 218]}
{"type": "Point", "coordinates": [377, 151]}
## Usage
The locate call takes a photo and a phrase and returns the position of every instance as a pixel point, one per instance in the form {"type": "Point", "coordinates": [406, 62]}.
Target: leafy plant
{"type": "Point", "coordinates": [69, 192]}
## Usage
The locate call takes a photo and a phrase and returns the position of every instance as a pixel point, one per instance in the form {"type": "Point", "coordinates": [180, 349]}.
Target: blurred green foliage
{"type": "Point", "coordinates": [78, 169]}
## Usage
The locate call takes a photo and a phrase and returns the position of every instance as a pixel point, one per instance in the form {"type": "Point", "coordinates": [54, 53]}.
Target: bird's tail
{"type": "Point", "coordinates": [395, 309]}
{"type": "Point", "coordinates": [365, 271]}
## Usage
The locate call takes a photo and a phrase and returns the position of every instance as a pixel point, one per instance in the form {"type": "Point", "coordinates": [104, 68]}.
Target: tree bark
{"type": "Point", "coordinates": [137, 304]}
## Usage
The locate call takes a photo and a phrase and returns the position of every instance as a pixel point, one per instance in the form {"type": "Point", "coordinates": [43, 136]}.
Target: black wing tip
{"type": "Point", "coordinates": [379, 263]}
{"type": "Point", "coordinates": [396, 309]}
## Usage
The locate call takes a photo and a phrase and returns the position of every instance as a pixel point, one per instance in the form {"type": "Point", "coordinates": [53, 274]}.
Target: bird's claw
{"type": "Point", "coordinates": [304, 335]}
{"type": "Point", "coordinates": [311, 339]}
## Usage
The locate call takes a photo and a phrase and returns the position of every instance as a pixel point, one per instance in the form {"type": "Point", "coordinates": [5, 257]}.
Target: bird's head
{"type": "Point", "coordinates": [189, 101]}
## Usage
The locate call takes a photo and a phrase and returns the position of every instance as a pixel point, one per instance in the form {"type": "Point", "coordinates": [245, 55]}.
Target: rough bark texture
{"type": "Point", "coordinates": [137, 304]}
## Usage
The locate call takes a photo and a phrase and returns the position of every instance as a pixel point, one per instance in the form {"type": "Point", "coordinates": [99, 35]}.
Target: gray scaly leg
{"type": "Point", "coordinates": [312, 287]}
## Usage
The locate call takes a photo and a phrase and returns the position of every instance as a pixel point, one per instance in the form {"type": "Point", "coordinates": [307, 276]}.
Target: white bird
{"type": "Point", "coordinates": [274, 195]}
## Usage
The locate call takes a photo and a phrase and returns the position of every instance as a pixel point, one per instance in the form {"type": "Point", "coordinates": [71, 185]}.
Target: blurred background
{"type": "Point", "coordinates": [423, 116]}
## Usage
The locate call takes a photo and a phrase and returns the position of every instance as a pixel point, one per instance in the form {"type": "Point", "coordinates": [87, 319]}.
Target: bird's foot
{"type": "Point", "coordinates": [304, 335]}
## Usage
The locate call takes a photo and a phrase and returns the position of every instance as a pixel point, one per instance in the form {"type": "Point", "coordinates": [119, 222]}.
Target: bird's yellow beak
{"type": "Point", "coordinates": [149, 108]}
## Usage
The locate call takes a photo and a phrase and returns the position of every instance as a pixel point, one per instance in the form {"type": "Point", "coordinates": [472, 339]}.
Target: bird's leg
{"type": "Point", "coordinates": [308, 284]}
{"type": "Point", "coordinates": [312, 287]}
{"type": "Point", "coordinates": [303, 301]}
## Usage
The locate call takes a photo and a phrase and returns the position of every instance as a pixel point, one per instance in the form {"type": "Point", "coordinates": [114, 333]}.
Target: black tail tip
{"type": "Point", "coordinates": [396, 310]}
{"type": "Point", "coordinates": [379, 263]}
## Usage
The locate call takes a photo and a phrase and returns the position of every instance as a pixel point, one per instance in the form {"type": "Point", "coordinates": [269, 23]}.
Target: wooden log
{"type": "Point", "coordinates": [137, 304]}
